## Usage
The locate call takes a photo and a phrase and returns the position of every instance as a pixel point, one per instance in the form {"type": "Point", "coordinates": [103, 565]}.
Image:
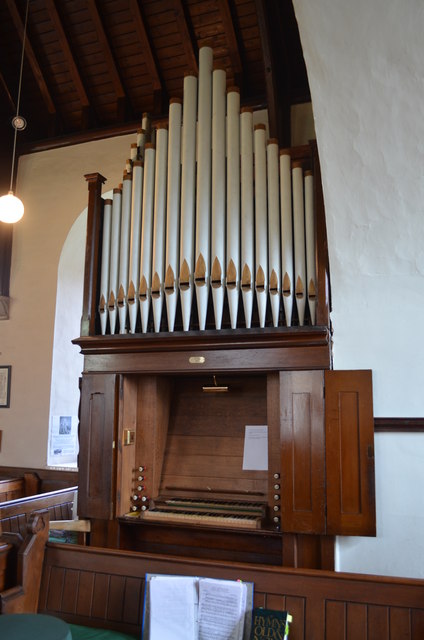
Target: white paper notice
{"type": "Point", "coordinates": [173, 608]}
{"type": "Point", "coordinates": [255, 456]}
{"type": "Point", "coordinates": [63, 445]}
{"type": "Point", "coordinates": [222, 605]}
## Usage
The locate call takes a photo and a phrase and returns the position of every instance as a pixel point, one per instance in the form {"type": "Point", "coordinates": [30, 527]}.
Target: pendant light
{"type": "Point", "coordinates": [11, 207]}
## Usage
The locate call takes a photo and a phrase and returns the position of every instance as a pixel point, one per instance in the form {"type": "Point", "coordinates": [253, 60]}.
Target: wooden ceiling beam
{"type": "Point", "coordinates": [149, 57]}
{"type": "Point", "coordinates": [278, 105]}
{"type": "Point", "coordinates": [10, 100]}
{"type": "Point", "coordinates": [109, 59]}
{"type": "Point", "coordinates": [232, 42]}
{"type": "Point", "coordinates": [73, 69]}
{"type": "Point", "coordinates": [31, 57]}
{"type": "Point", "coordinates": [189, 42]}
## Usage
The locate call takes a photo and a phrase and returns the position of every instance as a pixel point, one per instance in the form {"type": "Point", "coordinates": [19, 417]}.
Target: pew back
{"type": "Point", "coordinates": [23, 565]}
{"type": "Point", "coordinates": [105, 588]}
{"type": "Point", "coordinates": [15, 514]}
{"type": "Point", "coordinates": [11, 488]}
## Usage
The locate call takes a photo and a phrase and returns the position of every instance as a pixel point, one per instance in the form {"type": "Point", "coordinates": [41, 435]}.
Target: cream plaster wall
{"type": "Point", "coordinates": [52, 186]}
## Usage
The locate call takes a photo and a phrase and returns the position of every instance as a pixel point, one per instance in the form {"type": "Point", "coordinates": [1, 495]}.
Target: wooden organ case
{"type": "Point", "coordinates": [165, 403]}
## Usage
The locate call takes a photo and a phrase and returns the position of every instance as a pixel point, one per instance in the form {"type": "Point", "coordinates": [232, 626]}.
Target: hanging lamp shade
{"type": "Point", "coordinates": [11, 208]}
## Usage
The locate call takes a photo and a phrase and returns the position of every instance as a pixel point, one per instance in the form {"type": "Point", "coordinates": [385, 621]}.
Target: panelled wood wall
{"type": "Point", "coordinates": [105, 588]}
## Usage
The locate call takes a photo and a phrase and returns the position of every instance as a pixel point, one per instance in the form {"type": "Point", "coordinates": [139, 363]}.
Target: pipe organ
{"type": "Point", "coordinates": [212, 207]}
{"type": "Point", "coordinates": [206, 320]}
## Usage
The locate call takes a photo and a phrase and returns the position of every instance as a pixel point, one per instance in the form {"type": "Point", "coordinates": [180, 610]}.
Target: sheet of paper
{"type": "Point", "coordinates": [173, 605]}
{"type": "Point", "coordinates": [222, 606]}
{"type": "Point", "coordinates": [255, 455]}
{"type": "Point", "coordinates": [63, 445]}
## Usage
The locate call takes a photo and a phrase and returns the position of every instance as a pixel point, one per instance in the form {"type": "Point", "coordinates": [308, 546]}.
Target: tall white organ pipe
{"type": "Point", "coordinates": [141, 142]}
{"type": "Point", "coordinates": [203, 184]}
{"type": "Point", "coordinates": [114, 258]}
{"type": "Point", "coordinates": [247, 212]}
{"type": "Point", "coordinates": [159, 226]}
{"type": "Point", "coordinates": [233, 202]}
{"type": "Point", "coordinates": [218, 193]}
{"type": "Point", "coordinates": [146, 125]}
{"type": "Point", "coordinates": [286, 235]}
{"type": "Point", "coordinates": [135, 239]}
{"type": "Point", "coordinates": [146, 235]}
{"type": "Point", "coordinates": [188, 184]}
{"type": "Point", "coordinates": [104, 272]}
{"type": "Point", "coordinates": [299, 240]}
{"type": "Point", "coordinates": [310, 243]}
{"type": "Point", "coordinates": [173, 210]}
{"type": "Point", "coordinates": [274, 252]}
{"type": "Point", "coordinates": [124, 251]}
{"type": "Point", "coordinates": [261, 222]}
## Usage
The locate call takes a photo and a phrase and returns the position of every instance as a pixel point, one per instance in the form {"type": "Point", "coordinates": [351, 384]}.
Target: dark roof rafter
{"type": "Point", "coordinates": [10, 100]}
{"type": "Point", "coordinates": [233, 45]}
{"type": "Point", "coordinates": [278, 105]}
{"type": "Point", "coordinates": [107, 51]}
{"type": "Point", "coordinates": [149, 57]}
{"type": "Point", "coordinates": [31, 57]}
{"type": "Point", "coordinates": [73, 69]}
{"type": "Point", "coordinates": [187, 37]}
{"type": "Point", "coordinates": [97, 65]}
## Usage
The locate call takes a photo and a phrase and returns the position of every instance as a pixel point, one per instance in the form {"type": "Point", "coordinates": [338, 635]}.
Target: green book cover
{"type": "Point", "coordinates": [270, 624]}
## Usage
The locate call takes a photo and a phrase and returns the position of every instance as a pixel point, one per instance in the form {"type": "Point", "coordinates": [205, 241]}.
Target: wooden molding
{"type": "Point", "coordinates": [398, 425]}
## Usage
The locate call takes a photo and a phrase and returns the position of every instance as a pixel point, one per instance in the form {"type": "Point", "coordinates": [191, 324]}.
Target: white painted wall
{"type": "Point", "coordinates": [365, 64]}
{"type": "Point", "coordinates": [67, 361]}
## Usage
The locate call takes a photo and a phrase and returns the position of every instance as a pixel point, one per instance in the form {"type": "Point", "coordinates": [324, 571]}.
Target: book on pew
{"type": "Point", "coordinates": [195, 608]}
{"type": "Point", "coordinates": [270, 624]}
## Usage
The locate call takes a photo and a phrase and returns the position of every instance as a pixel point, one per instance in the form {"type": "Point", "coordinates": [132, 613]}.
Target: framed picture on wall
{"type": "Point", "coordinates": [5, 371]}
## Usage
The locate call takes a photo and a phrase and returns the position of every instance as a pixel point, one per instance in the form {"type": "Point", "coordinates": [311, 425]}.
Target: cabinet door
{"type": "Point", "coordinates": [99, 402]}
{"type": "Point", "coordinates": [349, 453]}
{"type": "Point", "coordinates": [302, 451]}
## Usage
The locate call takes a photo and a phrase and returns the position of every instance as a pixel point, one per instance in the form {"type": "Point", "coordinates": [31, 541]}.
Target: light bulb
{"type": "Point", "coordinates": [11, 208]}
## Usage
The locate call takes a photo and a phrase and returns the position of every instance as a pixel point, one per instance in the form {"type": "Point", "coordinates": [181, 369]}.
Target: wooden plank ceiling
{"type": "Point", "coordinates": [94, 66]}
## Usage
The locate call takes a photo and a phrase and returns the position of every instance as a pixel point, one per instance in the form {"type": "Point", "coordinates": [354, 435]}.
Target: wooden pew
{"type": "Point", "coordinates": [5, 549]}
{"type": "Point", "coordinates": [15, 514]}
{"type": "Point", "coordinates": [105, 588]}
{"type": "Point", "coordinates": [24, 563]}
{"type": "Point", "coordinates": [11, 488]}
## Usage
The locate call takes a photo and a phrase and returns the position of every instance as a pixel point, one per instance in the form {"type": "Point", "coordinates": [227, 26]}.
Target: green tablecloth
{"type": "Point", "coordinates": [21, 626]}
{"type": "Point", "coordinates": [89, 633]}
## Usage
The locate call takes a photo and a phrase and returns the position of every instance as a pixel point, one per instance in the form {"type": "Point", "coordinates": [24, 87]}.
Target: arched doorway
{"type": "Point", "coordinates": [67, 362]}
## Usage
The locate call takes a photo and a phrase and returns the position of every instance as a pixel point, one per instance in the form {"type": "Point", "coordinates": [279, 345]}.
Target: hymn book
{"type": "Point", "coordinates": [193, 608]}
{"type": "Point", "coordinates": [270, 624]}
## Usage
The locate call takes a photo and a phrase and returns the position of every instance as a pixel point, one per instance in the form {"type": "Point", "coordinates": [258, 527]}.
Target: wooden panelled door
{"type": "Point", "coordinates": [349, 433]}
{"type": "Point", "coordinates": [99, 408]}
{"type": "Point", "coordinates": [327, 452]}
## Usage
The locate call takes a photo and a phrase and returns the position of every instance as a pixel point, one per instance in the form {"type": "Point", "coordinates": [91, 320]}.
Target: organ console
{"type": "Point", "coordinates": [206, 314]}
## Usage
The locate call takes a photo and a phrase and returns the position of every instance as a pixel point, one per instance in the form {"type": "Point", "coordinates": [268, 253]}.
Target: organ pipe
{"type": "Point", "coordinates": [211, 206]}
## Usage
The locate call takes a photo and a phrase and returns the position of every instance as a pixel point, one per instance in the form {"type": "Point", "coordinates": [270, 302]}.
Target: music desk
{"type": "Point", "coordinates": [21, 626]}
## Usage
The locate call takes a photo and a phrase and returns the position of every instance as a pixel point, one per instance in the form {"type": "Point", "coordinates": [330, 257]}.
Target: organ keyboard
{"type": "Point", "coordinates": [204, 512]}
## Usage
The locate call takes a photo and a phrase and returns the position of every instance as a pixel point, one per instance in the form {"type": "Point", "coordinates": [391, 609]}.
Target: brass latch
{"type": "Point", "coordinates": [129, 437]}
